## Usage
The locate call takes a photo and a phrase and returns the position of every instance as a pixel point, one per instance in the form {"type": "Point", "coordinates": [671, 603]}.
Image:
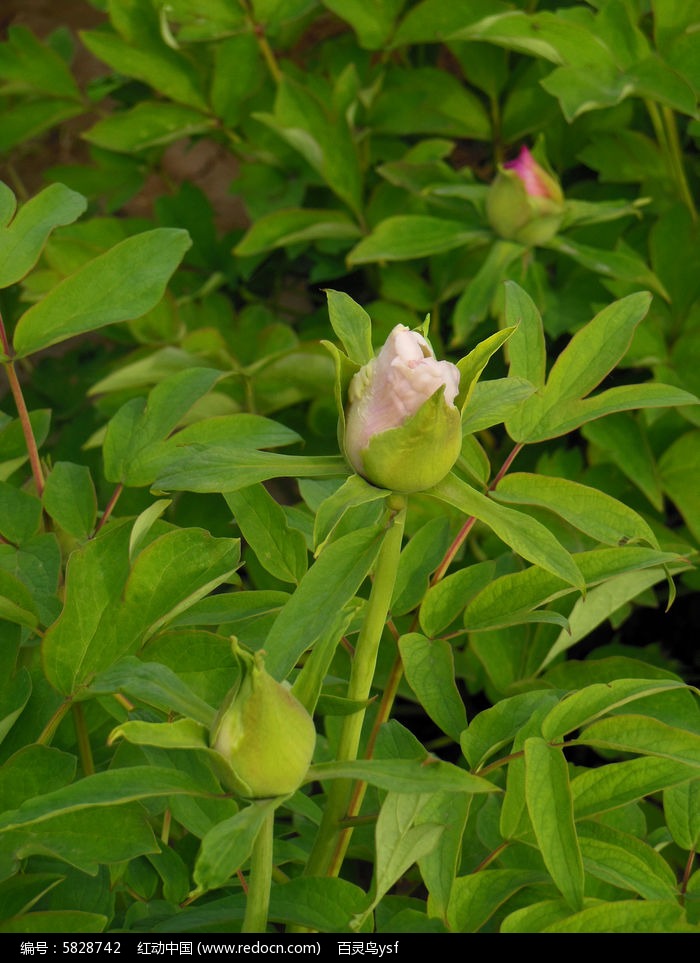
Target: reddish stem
{"type": "Point", "coordinates": [470, 522]}
{"type": "Point", "coordinates": [22, 411]}
{"type": "Point", "coordinates": [109, 509]}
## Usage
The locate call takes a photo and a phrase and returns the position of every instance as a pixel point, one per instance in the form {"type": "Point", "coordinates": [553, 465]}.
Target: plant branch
{"type": "Point", "coordinates": [109, 509]}
{"type": "Point", "coordinates": [22, 411]}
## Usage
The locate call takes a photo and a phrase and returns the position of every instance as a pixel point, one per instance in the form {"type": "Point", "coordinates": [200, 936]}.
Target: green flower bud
{"type": "Point", "coordinates": [264, 733]}
{"type": "Point", "coordinates": [525, 203]}
{"type": "Point", "coordinates": [403, 431]}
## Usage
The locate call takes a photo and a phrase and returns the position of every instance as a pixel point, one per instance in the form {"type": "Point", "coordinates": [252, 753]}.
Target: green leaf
{"type": "Point", "coordinates": [16, 601]}
{"type": "Point", "coordinates": [563, 420]}
{"type": "Point", "coordinates": [682, 811]}
{"type": "Point", "coordinates": [444, 601]}
{"type": "Point", "coordinates": [144, 523]}
{"type": "Point", "coordinates": [595, 350]}
{"type": "Point", "coordinates": [20, 513]}
{"type": "Point", "coordinates": [331, 582]}
{"type": "Point", "coordinates": [430, 672]}
{"type": "Point", "coordinates": [180, 734]}
{"type": "Point", "coordinates": [14, 695]}
{"type": "Point", "coordinates": [404, 775]}
{"type": "Point", "coordinates": [148, 124]}
{"type": "Point", "coordinates": [550, 805]}
{"type": "Point", "coordinates": [585, 706]}
{"type": "Point", "coordinates": [33, 771]}
{"type": "Point", "coordinates": [227, 846]}
{"type": "Point", "coordinates": [678, 469]}
{"type": "Point", "coordinates": [399, 843]}
{"type": "Point", "coordinates": [352, 326]}
{"type": "Point", "coordinates": [472, 365]}
{"type": "Point", "coordinates": [624, 916]}
{"type": "Point", "coordinates": [475, 301]}
{"type": "Point", "coordinates": [103, 789]}
{"type": "Point", "coordinates": [625, 861]}
{"type": "Point", "coordinates": [148, 58]}
{"type": "Point", "coordinates": [419, 558]}
{"type": "Point", "coordinates": [527, 351]}
{"type": "Point", "coordinates": [616, 265]}
{"type": "Point", "coordinates": [496, 727]}
{"type": "Point", "coordinates": [112, 608]}
{"type": "Point", "coordinates": [591, 511]}
{"type": "Point", "coordinates": [29, 119]}
{"type": "Point", "coordinates": [372, 22]}
{"type": "Point", "coordinates": [440, 866]}
{"type": "Point", "coordinates": [408, 236]}
{"type": "Point", "coordinates": [433, 21]}
{"type": "Point", "coordinates": [200, 468]}
{"type": "Point", "coordinates": [55, 921]}
{"type": "Point", "coordinates": [295, 226]}
{"type": "Point", "coordinates": [512, 596]}
{"type": "Point", "coordinates": [156, 685]}
{"type": "Point", "coordinates": [600, 604]}
{"type": "Point", "coordinates": [79, 838]}
{"type": "Point", "coordinates": [523, 534]}
{"type": "Point", "coordinates": [326, 905]}
{"type": "Point", "coordinates": [70, 499]}
{"type": "Point", "coordinates": [30, 63]}
{"type": "Point", "coordinates": [642, 734]}
{"type": "Point", "coordinates": [354, 491]}
{"type": "Point", "coordinates": [320, 134]}
{"type": "Point", "coordinates": [494, 402]}
{"type": "Point", "coordinates": [612, 786]}
{"type": "Point", "coordinates": [624, 442]}
{"type": "Point", "coordinates": [23, 240]}
{"type": "Point", "coordinates": [477, 897]}
{"type": "Point", "coordinates": [419, 100]}
{"type": "Point", "coordinates": [281, 550]}
{"type": "Point", "coordinates": [122, 284]}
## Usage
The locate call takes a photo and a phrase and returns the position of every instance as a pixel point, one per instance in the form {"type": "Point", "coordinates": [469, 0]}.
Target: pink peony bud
{"type": "Point", "coordinates": [538, 183]}
{"type": "Point", "coordinates": [402, 427]}
{"type": "Point", "coordinates": [525, 202]}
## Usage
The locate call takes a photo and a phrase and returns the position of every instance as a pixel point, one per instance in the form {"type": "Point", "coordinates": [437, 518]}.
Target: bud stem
{"type": "Point", "coordinates": [260, 878]}
{"type": "Point", "coordinates": [331, 843]}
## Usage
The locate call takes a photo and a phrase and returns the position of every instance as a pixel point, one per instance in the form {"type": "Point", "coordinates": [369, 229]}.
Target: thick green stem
{"type": "Point", "coordinates": [260, 878]}
{"type": "Point", "coordinates": [664, 124]}
{"type": "Point", "coordinates": [332, 841]}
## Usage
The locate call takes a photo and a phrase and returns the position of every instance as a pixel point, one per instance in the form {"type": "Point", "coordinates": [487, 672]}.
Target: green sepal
{"type": "Point", "coordinates": [420, 453]}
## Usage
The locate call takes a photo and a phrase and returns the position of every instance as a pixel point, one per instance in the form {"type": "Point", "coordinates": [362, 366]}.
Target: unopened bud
{"type": "Point", "coordinates": [525, 202]}
{"type": "Point", "coordinates": [403, 430]}
{"type": "Point", "coordinates": [264, 733]}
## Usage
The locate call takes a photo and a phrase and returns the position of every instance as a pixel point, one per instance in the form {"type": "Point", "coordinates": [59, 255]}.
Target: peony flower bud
{"type": "Point", "coordinates": [264, 733]}
{"type": "Point", "coordinates": [403, 430]}
{"type": "Point", "coordinates": [525, 203]}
